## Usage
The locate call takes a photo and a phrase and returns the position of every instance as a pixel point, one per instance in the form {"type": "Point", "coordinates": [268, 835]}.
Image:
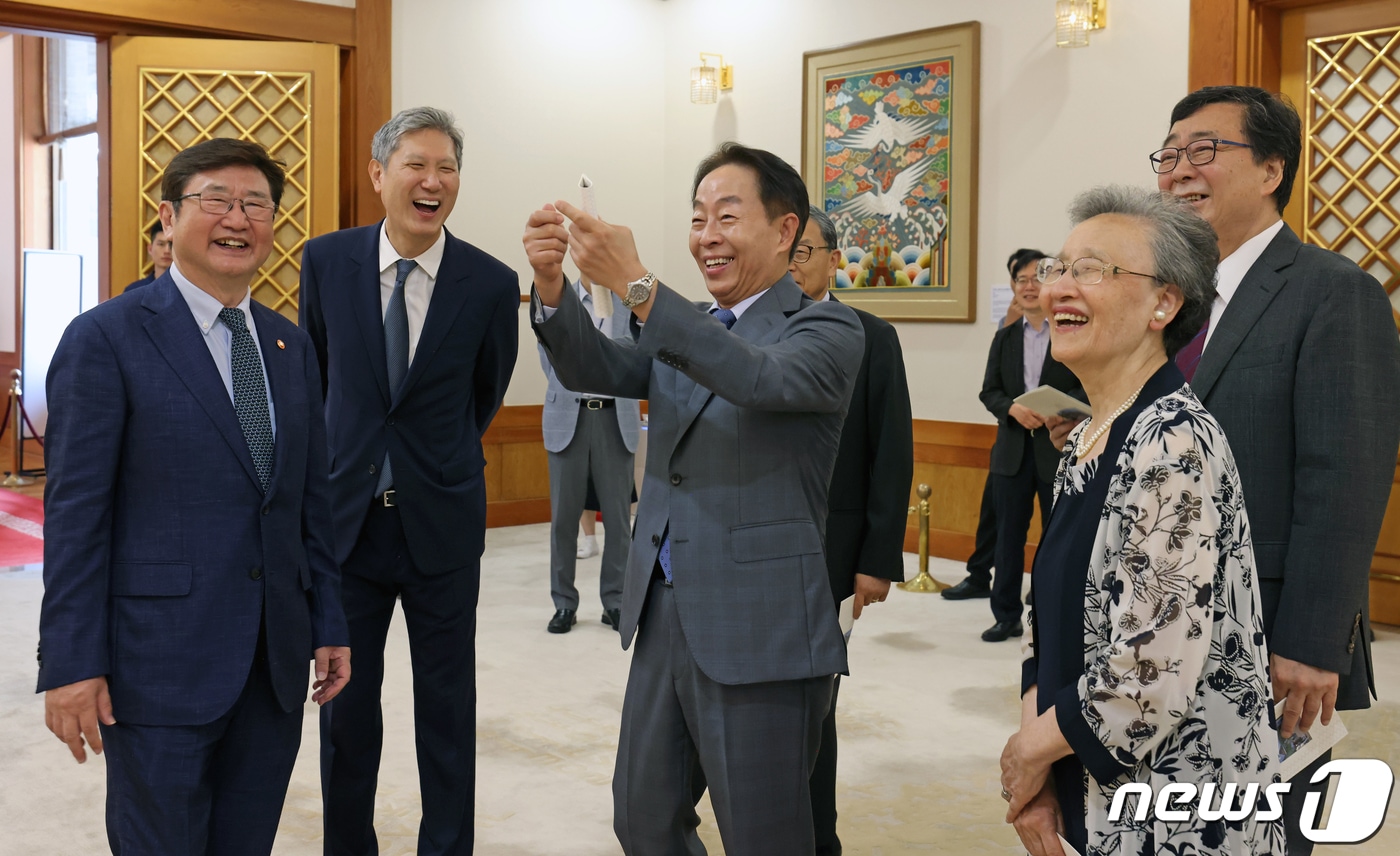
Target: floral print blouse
{"type": "Point", "coordinates": [1175, 684]}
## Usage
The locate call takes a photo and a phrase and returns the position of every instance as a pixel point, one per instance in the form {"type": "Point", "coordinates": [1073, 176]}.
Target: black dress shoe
{"type": "Point", "coordinates": [1001, 630]}
{"type": "Point", "coordinates": [613, 618]}
{"type": "Point", "coordinates": [562, 622]}
{"type": "Point", "coordinates": [966, 590]}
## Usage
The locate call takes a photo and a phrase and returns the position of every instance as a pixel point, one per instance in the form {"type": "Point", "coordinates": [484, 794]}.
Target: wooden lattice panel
{"type": "Point", "coordinates": [1351, 195]}
{"type": "Point", "coordinates": [181, 107]}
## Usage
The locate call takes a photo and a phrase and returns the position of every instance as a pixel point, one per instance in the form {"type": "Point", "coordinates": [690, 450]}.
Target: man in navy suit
{"type": "Point", "coordinates": [417, 338]}
{"type": "Point", "coordinates": [159, 251]}
{"type": "Point", "coordinates": [188, 572]}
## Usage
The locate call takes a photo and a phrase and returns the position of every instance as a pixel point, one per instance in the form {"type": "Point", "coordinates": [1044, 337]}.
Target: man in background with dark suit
{"type": "Point", "coordinates": [869, 503]}
{"type": "Point", "coordinates": [1299, 362]}
{"type": "Point", "coordinates": [1023, 461]}
{"type": "Point", "coordinates": [158, 250]}
{"type": "Point", "coordinates": [188, 570]}
{"type": "Point", "coordinates": [738, 639]}
{"type": "Point", "coordinates": [416, 333]}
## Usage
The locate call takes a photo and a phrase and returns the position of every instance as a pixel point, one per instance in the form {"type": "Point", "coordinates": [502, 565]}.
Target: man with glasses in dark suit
{"type": "Point", "coordinates": [1299, 362]}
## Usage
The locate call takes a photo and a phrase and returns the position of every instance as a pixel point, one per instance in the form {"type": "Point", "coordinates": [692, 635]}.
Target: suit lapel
{"type": "Point", "coordinates": [759, 323]}
{"type": "Point", "coordinates": [368, 307]}
{"type": "Point", "coordinates": [1257, 290]}
{"type": "Point", "coordinates": [176, 335]}
{"type": "Point", "coordinates": [449, 295]}
{"type": "Point", "coordinates": [1016, 356]}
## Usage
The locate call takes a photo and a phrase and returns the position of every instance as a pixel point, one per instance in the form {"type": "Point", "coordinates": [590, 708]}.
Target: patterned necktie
{"type": "Point", "coordinates": [1189, 357]}
{"type": "Point", "coordinates": [663, 558]}
{"type": "Point", "coordinates": [250, 393]}
{"type": "Point", "coordinates": [395, 351]}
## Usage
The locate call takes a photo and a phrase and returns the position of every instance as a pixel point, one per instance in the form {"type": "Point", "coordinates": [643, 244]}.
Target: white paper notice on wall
{"type": "Point", "coordinates": [1001, 301]}
{"type": "Point", "coordinates": [602, 297]}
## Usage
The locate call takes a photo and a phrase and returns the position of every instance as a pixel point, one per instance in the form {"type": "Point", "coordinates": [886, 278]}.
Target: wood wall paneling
{"type": "Point", "coordinates": [285, 20]}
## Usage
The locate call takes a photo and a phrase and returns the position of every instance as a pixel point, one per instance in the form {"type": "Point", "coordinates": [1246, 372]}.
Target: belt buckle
{"type": "Point", "coordinates": [388, 498]}
{"type": "Point", "coordinates": [593, 403]}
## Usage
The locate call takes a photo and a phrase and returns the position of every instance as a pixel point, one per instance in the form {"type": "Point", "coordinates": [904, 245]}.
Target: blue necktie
{"type": "Point", "coordinates": [395, 352]}
{"type": "Point", "coordinates": [250, 393]}
{"type": "Point", "coordinates": [663, 558]}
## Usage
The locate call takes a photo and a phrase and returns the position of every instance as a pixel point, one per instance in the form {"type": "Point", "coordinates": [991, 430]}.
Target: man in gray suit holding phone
{"type": "Point", "coordinates": [727, 580]}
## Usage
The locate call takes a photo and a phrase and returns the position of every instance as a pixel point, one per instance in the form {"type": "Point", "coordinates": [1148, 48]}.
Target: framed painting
{"type": "Point", "coordinates": [889, 151]}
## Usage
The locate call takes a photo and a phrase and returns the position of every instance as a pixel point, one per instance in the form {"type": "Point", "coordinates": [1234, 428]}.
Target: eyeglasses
{"type": "Point", "coordinates": [804, 252]}
{"type": "Point", "coordinates": [254, 209]}
{"type": "Point", "coordinates": [1085, 271]}
{"type": "Point", "coordinates": [1200, 153]}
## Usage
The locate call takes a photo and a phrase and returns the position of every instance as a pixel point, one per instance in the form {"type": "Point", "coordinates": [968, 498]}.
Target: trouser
{"type": "Point", "coordinates": [979, 564]}
{"type": "Point", "coordinates": [203, 790]}
{"type": "Point", "coordinates": [823, 783]}
{"type": "Point", "coordinates": [597, 450]}
{"type": "Point", "coordinates": [753, 744]}
{"type": "Point", "coordinates": [440, 613]}
{"type": "Point", "coordinates": [1015, 497]}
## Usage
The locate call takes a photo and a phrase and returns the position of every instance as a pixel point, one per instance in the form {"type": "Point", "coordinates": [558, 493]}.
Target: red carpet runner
{"type": "Point", "coordinates": [21, 529]}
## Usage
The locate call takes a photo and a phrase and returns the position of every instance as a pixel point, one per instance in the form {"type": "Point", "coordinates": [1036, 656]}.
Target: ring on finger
{"type": "Point", "coordinates": [1005, 794]}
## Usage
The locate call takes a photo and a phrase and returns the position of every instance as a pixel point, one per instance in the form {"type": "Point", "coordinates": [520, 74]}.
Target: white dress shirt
{"type": "Point", "coordinates": [742, 306]}
{"type": "Point", "coordinates": [218, 338]}
{"type": "Point", "coordinates": [1232, 270]}
{"type": "Point", "coordinates": [417, 288]}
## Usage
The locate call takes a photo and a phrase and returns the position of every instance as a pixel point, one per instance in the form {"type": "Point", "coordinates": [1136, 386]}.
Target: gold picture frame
{"type": "Point", "coordinates": [889, 150]}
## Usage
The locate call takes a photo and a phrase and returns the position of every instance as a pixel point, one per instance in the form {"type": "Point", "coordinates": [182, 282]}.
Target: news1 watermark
{"type": "Point", "coordinates": [1361, 789]}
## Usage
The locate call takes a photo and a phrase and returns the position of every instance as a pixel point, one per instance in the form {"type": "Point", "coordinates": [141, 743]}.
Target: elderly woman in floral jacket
{"type": "Point", "coordinates": [1146, 659]}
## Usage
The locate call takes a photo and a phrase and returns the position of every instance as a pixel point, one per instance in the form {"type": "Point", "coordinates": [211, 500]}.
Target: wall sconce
{"type": "Point", "coordinates": [1075, 18]}
{"type": "Point", "coordinates": [706, 81]}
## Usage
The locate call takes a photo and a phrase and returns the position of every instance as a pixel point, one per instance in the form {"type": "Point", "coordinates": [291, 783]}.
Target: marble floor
{"type": "Point", "coordinates": [923, 718]}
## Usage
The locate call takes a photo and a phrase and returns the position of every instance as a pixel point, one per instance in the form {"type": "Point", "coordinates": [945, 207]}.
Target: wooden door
{"type": "Point", "coordinates": [167, 94]}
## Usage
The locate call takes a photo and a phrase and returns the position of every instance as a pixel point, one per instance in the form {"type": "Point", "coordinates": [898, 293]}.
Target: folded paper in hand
{"type": "Point", "coordinates": [602, 297]}
{"type": "Point", "coordinates": [1047, 401]}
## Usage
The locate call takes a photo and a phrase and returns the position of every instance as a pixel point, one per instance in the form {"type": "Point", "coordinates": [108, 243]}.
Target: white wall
{"type": "Point", "coordinates": [551, 88]}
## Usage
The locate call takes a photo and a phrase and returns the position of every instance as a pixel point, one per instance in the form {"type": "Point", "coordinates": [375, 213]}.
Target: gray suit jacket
{"type": "Point", "coordinates": [743, 433]}
{"type": "Point", "coordinates": [561, 405]}
{"type": "Point", "coordinates": [1303, 373]}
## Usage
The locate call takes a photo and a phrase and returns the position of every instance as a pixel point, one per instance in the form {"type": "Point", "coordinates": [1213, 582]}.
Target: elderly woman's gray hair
{"type": "Point", "coordinates": [824, 225]}
{"type": "Point", "coordinates": [1184, 249]}
{"type": "Point", "coordinates": [387, 138]}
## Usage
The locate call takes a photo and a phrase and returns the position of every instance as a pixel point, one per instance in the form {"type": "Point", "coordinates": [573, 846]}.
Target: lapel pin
{"type": "Point", "coordinates": [281, 345]}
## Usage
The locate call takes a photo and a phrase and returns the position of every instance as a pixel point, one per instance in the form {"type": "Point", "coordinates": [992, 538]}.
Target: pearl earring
{"type": "Point", "coordinates": [1159, 315]}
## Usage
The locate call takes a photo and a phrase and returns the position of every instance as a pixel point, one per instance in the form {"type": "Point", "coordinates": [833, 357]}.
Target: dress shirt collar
{"type": "Point", "coordinates": [1036, 331]}
{"type": "Point", "coordinates": [429, 261]}
{"type": "Point", "coordinates": [1234, 266]}
{"type": "Point", "coordinates": [742, 306]}
{"type": "Point", "coordinates": [204, 306]}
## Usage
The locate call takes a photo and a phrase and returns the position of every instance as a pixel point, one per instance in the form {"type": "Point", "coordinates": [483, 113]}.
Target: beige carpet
{"type": "Point", "coordinates": [923, 719]}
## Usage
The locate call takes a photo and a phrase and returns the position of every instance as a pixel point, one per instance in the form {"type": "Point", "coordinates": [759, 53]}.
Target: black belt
{"type": "Point", "coordinates": [596, 403]}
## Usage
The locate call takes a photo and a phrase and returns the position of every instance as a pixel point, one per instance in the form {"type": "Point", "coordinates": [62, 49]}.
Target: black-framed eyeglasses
{"type": "Point", "coordinates": [1086, 271]}
{"type": "Point", "coordinates": [804, 252]}
{"type": "Point", "coordinates": [257, 210]}
{"type": "Point", "coordinates": [1199, 153]}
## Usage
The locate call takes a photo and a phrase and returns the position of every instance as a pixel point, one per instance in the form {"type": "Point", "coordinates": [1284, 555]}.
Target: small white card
{"type": "Point", "coordinates": [1303, 748]}
{"type": "Point", "coordinates": [1065, 845]}
{"type": "Point", "coordinates": [847, 616]}
{"type": "Point", "coordinates": [1047, 401]}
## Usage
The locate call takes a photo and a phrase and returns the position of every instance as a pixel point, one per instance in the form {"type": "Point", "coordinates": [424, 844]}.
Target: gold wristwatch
{"type": "Point", "coordinates": [638, 290]}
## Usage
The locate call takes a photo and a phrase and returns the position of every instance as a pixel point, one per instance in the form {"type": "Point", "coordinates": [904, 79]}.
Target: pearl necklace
{"type": "Point", "coordinates": [1083, 446]}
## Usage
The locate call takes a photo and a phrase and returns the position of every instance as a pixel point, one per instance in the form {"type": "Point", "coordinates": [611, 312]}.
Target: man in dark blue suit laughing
{"type": "Point", "coordinates": [416, 332]}
{"type": "Point", "coordinates": [188, 570]}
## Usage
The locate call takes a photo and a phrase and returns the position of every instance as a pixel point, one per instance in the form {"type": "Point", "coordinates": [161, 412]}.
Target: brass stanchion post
{"type": "Point", "coordinates": [14, 479]}
{"type": "Point", "coordinates": [923, 582]}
